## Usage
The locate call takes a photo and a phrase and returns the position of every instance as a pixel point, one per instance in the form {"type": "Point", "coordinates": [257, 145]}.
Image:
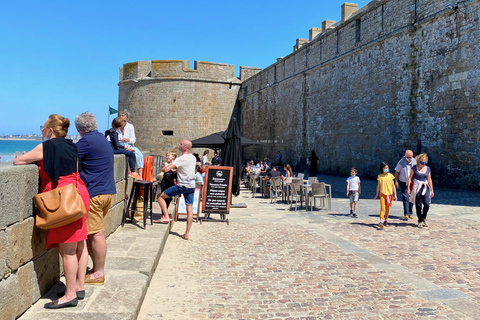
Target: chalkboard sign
{"type": "Point", "coordinates": [217, 189]}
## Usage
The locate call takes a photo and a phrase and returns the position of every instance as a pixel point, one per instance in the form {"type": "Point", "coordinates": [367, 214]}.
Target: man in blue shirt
{"type": "Point", "coordinates": [96, 159]}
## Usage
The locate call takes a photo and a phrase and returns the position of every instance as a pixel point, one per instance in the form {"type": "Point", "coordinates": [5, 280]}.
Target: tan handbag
{"type": "Point", "coordinates": [59, 207]}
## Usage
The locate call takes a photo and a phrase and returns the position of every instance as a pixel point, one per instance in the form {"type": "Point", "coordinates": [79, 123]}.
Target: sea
{"type": "Point", "coordinates": [10, 148]}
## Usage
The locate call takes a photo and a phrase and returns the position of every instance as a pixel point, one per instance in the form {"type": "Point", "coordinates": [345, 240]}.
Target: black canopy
{"type": "Point", "coordinates": [215, 141]}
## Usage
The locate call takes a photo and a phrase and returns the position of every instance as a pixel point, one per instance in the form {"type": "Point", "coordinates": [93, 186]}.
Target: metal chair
{"type": "Point", "coordinates": [296, 191]}
{"type": "Point", "coordinates": [275, 188]}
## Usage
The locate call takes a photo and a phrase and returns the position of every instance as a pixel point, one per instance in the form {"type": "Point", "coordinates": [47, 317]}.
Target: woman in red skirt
{"type": "Point", "coordinates": [57, 158]}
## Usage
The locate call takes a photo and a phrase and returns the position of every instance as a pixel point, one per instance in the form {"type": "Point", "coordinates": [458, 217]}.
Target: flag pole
{"type": "Point", "coordinates": [108, 121]}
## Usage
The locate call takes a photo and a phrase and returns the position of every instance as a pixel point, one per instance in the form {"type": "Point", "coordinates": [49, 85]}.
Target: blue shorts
{"type": "Point", "coordinates": [188, 193]}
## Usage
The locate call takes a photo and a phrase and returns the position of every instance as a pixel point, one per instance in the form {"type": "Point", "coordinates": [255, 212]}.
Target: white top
{"type": "Point", "coordinates": [354, 182]}
{"type": "Point", "coordinates": [129, 133]}
{"type": "Point", "coordinates": [186, 170]}
{"type": "Point", "coordinates": [404, 173]}
{"type": "Point", "coordinates": [204, 160]}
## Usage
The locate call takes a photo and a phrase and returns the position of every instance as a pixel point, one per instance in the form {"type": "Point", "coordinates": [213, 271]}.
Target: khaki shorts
{"type": "Point", "coordinates": [99, 206]}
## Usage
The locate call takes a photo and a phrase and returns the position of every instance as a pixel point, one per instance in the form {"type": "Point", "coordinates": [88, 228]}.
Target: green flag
{"type": "Point", "coordinates": [111, 110]}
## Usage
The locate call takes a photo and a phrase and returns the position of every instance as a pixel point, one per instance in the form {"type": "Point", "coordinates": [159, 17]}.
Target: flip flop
{"type": "Point", "coordinates": [183, 237]}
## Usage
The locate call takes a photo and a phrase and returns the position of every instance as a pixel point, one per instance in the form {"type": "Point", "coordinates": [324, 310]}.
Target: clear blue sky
{"type": "Point", "coordinates": [64, 56]}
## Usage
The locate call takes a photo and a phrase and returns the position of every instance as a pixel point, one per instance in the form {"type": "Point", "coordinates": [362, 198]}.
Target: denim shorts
{"type": "Point", "coordinates": [188, 193]}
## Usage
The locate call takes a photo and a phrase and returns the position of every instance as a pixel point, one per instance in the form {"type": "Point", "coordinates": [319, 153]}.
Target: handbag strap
{"type": "Point", "coordinates": [77, 175]}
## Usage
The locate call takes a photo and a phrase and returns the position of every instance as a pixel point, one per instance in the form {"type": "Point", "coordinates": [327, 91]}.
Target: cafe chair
{"type": "Point", "coordinates": [300, 175]}
{"type": "Point", "coordinates": [254, 182]}
{"type": "Point", "coordinates": [275, 188]}
{"type": "Point", "coordinates": [296, 190]}
{"type": "Point", "coordinates": [318, 192]}
{"type": "Point", "coordinates": [312, 180]}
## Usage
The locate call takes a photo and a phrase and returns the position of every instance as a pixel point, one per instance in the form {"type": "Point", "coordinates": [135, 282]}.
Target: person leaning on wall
{"type": "Point", "coordinates": [96, 158]}
{"type": "Point", "coordinates": [57, 159]}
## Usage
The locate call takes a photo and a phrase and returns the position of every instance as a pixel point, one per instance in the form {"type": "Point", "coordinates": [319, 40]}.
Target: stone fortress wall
{"type": "Point", "coordinates": [169, 102]}
{"type": "Point", "coordinates": [27, 269]}
{"type": "Point", "coordinates": [395, 74]}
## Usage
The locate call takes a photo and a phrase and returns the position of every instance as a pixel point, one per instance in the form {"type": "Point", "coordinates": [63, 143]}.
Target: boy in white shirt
{"type": "Point", "coordinates": [353, 191]}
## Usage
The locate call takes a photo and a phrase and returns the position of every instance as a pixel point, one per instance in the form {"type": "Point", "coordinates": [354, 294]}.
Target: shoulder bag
{"type": "Point", "coordinates": [59, 207]}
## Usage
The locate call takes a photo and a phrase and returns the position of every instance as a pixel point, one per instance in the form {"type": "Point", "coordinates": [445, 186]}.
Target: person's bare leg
{"type": "Point", "coordinates": [163, 205]}
{"type": "Point", "coordinates": [98, 251]}
{"type": "Point", "coordinates": [70, 269]}
{"type": "Point", "coordinates": [82, 258]}
{"type": "Point", "coordinates": [189, 220]}
{"type": "Point", "coordinates": [140, 171]}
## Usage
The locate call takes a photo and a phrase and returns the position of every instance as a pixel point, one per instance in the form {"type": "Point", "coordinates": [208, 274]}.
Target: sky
{"type": "Point", "coordinates": [64, 56]}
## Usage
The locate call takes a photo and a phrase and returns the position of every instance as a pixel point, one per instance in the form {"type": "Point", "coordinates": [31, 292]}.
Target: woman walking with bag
{"type": "Point", "coordinates": [57, 159]}
{"type": "Point", "coordinates": [422, 190]}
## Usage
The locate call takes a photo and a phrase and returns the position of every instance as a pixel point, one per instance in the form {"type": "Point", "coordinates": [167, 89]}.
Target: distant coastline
{"type": "Point", "coordinates": [21, 139]}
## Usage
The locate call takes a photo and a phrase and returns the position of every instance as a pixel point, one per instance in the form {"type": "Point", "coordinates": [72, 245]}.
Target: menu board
{"type": "Point", "coordinates": [217, 189]}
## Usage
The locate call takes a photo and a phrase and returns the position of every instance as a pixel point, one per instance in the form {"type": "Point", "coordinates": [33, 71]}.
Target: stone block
{"type": "Point", "coordinates": [313, 32]}
{"type": "Point", "coordinates": [348, 9]}
{"type": "Point", "coordinates": [24, 298]}
{"type": "Point", "coordinates": [8, 295]}
{"type": "Point", "coordinates": [24, 241]}
{"type": "Point", "coordinates": [121, 192]}
{"type": "Point", "coordinates": [120, 167]}
{"type": "Point", "coordinates": [113, 219]}
{"type": "Point", "coordinates": [327, 24]}
{"type": "Point", "coordinates": [128, 287]}
{"type": "Point", "coordinates": [4, 269]}
{"type": "Point", "coordinates": [19, 185]}
{"type": "Point", "coordinates": [46, 272]}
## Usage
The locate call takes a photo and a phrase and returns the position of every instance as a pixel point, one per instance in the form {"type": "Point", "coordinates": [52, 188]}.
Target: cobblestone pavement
{"type": "Point", "coordinates": [274, 263]}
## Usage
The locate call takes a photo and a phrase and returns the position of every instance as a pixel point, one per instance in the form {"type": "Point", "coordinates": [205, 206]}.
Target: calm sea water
{"type": "Point", "coordinates": [9, 147]}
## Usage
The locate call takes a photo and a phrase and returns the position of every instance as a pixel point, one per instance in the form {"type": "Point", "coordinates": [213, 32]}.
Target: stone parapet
{"type": "Point", "coordinates": [27, 268]}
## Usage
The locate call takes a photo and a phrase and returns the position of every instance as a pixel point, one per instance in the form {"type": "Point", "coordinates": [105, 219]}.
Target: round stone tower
{"type": "Point", "coordinates": [169, 102]}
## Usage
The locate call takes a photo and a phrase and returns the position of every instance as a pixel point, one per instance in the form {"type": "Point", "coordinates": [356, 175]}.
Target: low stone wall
{"type": "Point", "coordinates": [27, 269]}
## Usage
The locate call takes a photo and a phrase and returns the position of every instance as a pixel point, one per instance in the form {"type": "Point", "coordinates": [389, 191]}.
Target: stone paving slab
{"type": "Point", "coordinates": [273, 263]}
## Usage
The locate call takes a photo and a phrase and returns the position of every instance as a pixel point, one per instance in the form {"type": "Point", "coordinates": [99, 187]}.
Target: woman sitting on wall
{"type": "Point", "coordinates": [57, 160]}
{"type": "Point", "coordinates": [126, 136]}
{"type": "Point", "coordinates": [112, 135]}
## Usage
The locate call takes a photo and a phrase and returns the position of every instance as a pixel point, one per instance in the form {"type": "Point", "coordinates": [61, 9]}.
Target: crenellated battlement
{"type": "Point", "coordinates": [162, 69]}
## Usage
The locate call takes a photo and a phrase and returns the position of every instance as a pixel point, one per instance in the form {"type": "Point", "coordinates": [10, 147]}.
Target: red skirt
{"type": "Point", "coordinates": [75, 231]}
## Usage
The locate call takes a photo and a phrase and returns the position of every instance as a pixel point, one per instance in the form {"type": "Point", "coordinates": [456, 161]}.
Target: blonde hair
{"type": "Point", "coordinates": [58, 124]}
{"type": "Point", "coordinates": [421, 156]}
{"type": "Point", "coordinates": [173, 153]}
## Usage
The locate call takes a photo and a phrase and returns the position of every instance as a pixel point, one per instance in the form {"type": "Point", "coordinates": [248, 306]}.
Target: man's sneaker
{"type": "Point", "coordinates": [385, 223]}
{"type": "Point", "coordinates": [354, 215]}
{"type": "Point", "coordinates": [380, 225]}
{"type": "Point", "coordinates": [351, 211]}
{"type": "Point", "coordinates": [420, 225]}
{"type": "Point", "coordinates": [405, 217]}
{"type": "Point", "coordinates": [425, 223]}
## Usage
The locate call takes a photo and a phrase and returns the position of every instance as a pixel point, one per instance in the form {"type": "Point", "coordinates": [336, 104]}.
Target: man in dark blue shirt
{"type": "Point", "coordinates": [96, 159]}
